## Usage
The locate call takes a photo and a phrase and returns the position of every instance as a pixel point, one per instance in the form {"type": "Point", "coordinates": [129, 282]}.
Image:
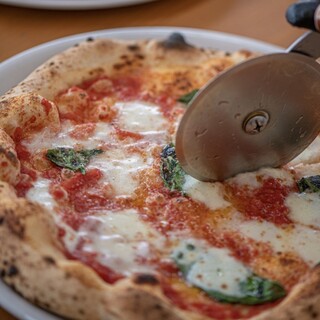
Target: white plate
{"type": "Point", "coordinates": [15, 69]}
{"type": "Point", "coordinates": [72, 4]}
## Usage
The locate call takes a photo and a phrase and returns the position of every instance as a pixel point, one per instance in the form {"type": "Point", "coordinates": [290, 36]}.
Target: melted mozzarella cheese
{"type": "Point", "coordinates": [212, 268]}
{"type": "Point", "coordinates": [211, 194]}
{"type": "Point", "coordinates": [120, 168]}
{"type": "Point", "coordinates": [299, 239]}
{"type": "Point", "coordinates": [304, 208]}
{"type": "Point", "coordinates": [140, 117]}
{"type": "Point", "coordinates": [119, 239]}
{"type": "Point", "coordinates": [40, 193]}
{"type": "Point", "coordinates": [253, 179]}
{"type": "Point", "coordinates": [47, 139]}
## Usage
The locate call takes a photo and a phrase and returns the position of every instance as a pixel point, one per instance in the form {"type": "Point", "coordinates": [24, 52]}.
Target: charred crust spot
{"type": "Point", "coordinates": [118, 66]}
{"type": "Point", "coordinates": [90, 39]}
{"type": "Point", "coordinates": [12, 271]}
{"type": "Point", "coordinates": [286, 261]}
{"type": "Point", "coordinates": [313, 313]}
{"type": "Point", "coordinates": [46, 305]}
{"type": "Point", "coordinates": [157, 306]}
{"type": "Point", "coordinates": [146, 279]}
{"type": "Point", "coordinates": [12, 158]}
{"type": "Point", "coordinates": [2, 273]}
{"type": "Point", "coordinates": [49, 260]}
{"type": "Point", "coordinates": [81, 311]}
{"type": "Point", "coordinates": [139, 56]}
{"type": "Point", "coordinates": [1, 220]}
{"type": "Point", "coordinates": [133, 47]}
{"type": "Point", "coordinates": [51, 64]}
{"type": "Point", "coordinates": [14, 223]}
{"type": "Point", "coordinates": [175, 41]}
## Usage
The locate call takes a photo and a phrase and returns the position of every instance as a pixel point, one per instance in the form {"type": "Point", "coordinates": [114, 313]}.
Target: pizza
{"type": "Point", "coordinates": [98, 220]}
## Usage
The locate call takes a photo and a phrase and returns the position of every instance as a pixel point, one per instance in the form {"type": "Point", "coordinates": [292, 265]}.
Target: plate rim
{"type": "Point", "coordinates": [72, 4]}
{"type": "Point", "coordinates": [30, 311]}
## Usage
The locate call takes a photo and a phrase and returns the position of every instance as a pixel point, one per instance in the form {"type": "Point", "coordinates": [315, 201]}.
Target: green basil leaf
{"type": "Point", "coordinates": [255, 290]}
{"type": "Point", "coordinates": [188, 97]}
{"type": "Point", "coordinates": [71, 159]}
{"type": "Point", "coordinates": [171, 172]}
{"type": "Point", "coordinates": [252, 289]}
{"type": "Point", "coordinates": [309, 184]}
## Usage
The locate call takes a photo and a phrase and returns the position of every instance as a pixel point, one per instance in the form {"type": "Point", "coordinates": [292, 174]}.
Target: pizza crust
{"type": "Point", "coordinates": [31, 257]}
{"type": "Point", "coordinates": [9, 162]}
{"type": "Point", "coordinates": [29, 112]}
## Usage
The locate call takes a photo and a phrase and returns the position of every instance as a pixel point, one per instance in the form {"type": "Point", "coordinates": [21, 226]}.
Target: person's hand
{"type": "Point", "coordinates": [305, 14]}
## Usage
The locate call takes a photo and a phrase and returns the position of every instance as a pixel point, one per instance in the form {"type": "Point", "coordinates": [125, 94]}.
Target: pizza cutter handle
{"type": "Point", "coordinates": [305, 14]}
{"type": "Point", "coordinates": [308, 44]}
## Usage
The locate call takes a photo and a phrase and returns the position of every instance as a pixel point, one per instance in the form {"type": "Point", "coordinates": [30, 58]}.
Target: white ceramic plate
{"type": "Point", "coordinates": [15, 69]}
{"type": "Point", "coordinates": [72, 4]}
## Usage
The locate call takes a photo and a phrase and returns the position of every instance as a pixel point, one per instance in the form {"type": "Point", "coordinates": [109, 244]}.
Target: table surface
{"type": "Point", "coordinates": [23, 28]}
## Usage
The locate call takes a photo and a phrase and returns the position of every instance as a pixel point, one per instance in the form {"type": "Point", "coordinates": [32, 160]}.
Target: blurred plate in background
{"type": "Point", "coordinates": [72, 4]}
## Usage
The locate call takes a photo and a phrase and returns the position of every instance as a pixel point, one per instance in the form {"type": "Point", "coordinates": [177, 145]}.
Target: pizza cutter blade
{"type": "Point", "coordinates": [261, 113]}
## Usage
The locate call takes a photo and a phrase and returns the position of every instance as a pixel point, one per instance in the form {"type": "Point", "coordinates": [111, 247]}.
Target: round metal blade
{"type": "Point", "coordinates": [261, 113]}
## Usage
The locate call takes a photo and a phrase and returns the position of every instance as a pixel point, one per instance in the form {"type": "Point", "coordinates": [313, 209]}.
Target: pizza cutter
{"type": "Point", "coordinates": [261, 113]}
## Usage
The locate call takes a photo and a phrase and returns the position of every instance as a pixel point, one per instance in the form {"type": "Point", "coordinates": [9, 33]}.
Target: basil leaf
{"type": "Point", "coordinates": [203, 267]}
{"type": "Point", "coordinates": [171, 172]}
{"type": "Point", "coordinates": [311, 184]}
{"type": "Point", "coordinates": [71, 159]}
{"type": "Point", "coordinates": [255, 290]}
{"type": "Point", "coordinates": [188, 97]}
{"type": "Point", "coordinates": [260, 290]}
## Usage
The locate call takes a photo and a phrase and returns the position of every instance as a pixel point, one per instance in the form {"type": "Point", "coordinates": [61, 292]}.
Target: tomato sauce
{"type": "Point", "coordinates": [266, 203]}
{"type": "Point", "coordinates": [122, 87]}
{"type": "Point", "coordinates": [90, 259]}
{"type": "Point", "coordinates": [26, 180]}
{"type": "Point", "coordinates": [46, 105]}
{"type": "Point", "coordinates": [83, 131]}
{"type": "Point", "coordinates": [124, 134]}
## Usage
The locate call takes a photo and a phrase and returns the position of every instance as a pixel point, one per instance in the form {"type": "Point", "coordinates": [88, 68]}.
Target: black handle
{"type": "Point", "coordinates": [305, 14]}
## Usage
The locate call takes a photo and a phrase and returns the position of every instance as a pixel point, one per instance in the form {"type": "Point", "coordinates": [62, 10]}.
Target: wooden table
{"type": "Point", "coordinates": [22, 28]}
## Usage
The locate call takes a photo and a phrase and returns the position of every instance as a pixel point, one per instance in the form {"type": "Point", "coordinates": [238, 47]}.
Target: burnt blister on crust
{"type": "Point", "coordinates": [133, 47]}
{"type": "Point", "coordinates": [10, 156]}
{"type": "Point", "coordinates": [49, 260]}
{"type": "Point", "coordinates": [9, 272]}
{"type": "Point", "coordinates": [145, 278]}
{"type": "Point", "coordinates": [12, 271]}
{"type": "Point", "coordinates": [176, 41]}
